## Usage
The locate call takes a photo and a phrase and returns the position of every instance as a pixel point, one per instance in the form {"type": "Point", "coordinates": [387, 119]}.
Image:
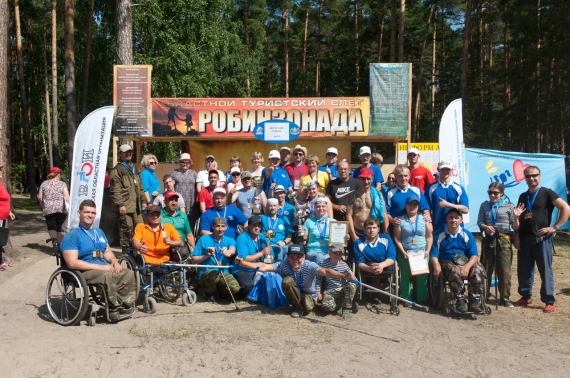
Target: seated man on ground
{"type": "Point", "coordinates": [374, 252]}
{"type": "Point", "coordinates": [172, 215]}
{"type": "Point", "coordinates": [335, 294]}
{"type": "Point", "coordinates": [155, 239]}
{"type": "Point", "coordinates": [450, 241]}
{"type": "Point", "coordinates": [86, 249]}
{"type": "Point", "coordinates": [298, 278]}
{"type": "Point", "coordinates": [252, 246]}
{"type": "Point", "coordinates": [280, 226]}
{"type": "Point", "coordinates": [212, 249]}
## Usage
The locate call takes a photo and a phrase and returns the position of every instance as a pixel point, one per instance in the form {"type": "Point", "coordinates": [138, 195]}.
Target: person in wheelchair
{"type": "Point", "coordinates": [374, 252]}
{"type": "Point", "coordinates": [155, 239]}
{"type": "Point", "coordinates": [172, 215]}
{"type": "Point", "coordinates": [454, 256]}
{"type": "Point", "coordinates": [86, 249]}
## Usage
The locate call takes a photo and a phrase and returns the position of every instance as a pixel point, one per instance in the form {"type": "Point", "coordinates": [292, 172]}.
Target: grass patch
{"type": "Point", "coordinates": [25, 203]}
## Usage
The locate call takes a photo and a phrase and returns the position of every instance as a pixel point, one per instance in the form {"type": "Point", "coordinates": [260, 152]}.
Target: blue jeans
{"type": "Point", "coordinates": [541, 254]}
{"type": "Point", "coordinates": [316, 256]}
{"type": "Point", "coordinates": [280, 252]}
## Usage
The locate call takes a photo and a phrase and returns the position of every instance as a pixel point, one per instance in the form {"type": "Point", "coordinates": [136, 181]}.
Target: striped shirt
{"type": "Point", "coordinates": [504, 217]}
{"type": "Point", "coordinates": [331, 283]}
{"type": "Point", "coordinates": [305, 277]}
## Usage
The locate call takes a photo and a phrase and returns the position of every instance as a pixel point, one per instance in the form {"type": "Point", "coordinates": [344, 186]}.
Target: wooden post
{"type": "Point", "coordinates": [114, 146]}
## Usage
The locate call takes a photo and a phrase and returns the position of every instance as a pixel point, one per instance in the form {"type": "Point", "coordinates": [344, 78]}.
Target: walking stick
{"type": "Point", "coordinates": [227, 285]}
{"type": "Point", "coordinates": [496, 277]}
{"type": "Point", "coordinates": [414, 304]}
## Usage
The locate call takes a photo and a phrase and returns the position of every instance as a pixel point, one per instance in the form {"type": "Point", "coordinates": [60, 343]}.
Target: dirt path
{"type": "Point", "coordinates": [216, 340]}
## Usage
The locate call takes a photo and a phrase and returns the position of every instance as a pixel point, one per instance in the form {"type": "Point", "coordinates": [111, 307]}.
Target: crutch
{"type": "Point", "coordinates": [494, 236]}
{"type": "Point", "coordinates": [414, 304]}
{"type": "Point", "coordinates": [224, 277]}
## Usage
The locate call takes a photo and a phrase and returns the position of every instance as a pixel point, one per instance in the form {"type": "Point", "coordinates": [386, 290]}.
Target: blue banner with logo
{"type": "Point", "coordinates": [487, 166]}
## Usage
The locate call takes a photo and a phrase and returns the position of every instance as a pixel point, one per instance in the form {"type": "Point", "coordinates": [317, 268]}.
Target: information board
{"type": "Point", "coordinates": [132, 101]}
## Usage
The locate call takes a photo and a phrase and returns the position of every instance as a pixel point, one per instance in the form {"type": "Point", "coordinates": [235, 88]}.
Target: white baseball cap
{"type": "Point", "coordinates": [285, 148]}
{"type": "Point", "coordinates": [445, 164]}
{"type": "Point", "coordinates": [219, 190]}
{"type": "Point", "coordinates": [364, 150]}
{"type": "Point", "coordinates": [413, 150]}
{"type": "Point", "coordinates": [273, 201]}
{"type": "Point", "coordinates": [125, 148]}
{"type": "Point", "coordinates": [184, 156]}
{"type": "Point", "coordinates": [235, 169]}
{"type": "Point", "coordinates": [332, 150]}
{"type": "Point", "coordinates": [274, 154]}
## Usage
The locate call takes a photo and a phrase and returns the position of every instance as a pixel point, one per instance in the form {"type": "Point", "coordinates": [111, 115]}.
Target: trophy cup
{"type": "Point", "coordinates": [269, 234]}
{"type": "Point", "coordinates": [299, 215]}
{"type": "Point", "coordinates": [257, 181]}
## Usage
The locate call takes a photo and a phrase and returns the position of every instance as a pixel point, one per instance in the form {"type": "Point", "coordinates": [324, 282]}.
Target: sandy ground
{"type": "Point", "coordinates": [209, 340]}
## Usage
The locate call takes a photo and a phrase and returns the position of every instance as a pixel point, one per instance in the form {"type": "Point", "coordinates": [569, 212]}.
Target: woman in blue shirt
{"type": "Point", "coordinates": [150, 183]}
{"type": "Point", "coordinates": [412, 234]}
{"type": "Point", "coordinates": [317, 228]}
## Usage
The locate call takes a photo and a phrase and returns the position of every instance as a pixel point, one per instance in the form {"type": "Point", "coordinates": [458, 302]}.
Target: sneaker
{"type": "Point", "coordinates": [346, 314]}
{"type": "Point", "coordinates": [507, 303]}
{"type": "Point", "coordinates": [476, 307]}
{"type": "Point", "coordinates": [3, 266]}
{"type": "Point", "coordinates": [523, 302]}
{"type": "Point", "coordinates": [295, 314]}
{"type": "Point", "coordinates": [461, 306]}
{"type": "Point", "coordinates": [549, 308]}
{"type": "Point", "coordinates": [114, 315]}
{"type": "Point", "coordinates": [127, 311]}
{"type": "Point", "coordinates": [209, 298]}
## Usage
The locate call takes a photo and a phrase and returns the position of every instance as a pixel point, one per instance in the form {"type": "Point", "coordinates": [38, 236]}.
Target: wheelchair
{"type": "Point", "coordinates": [171, 281]}
{"type": "Point", "coordinates": [69, 298]}
{"type": "Point", "coordinates": [389, 279]}
{"type": "Point", "coordinates": [443, 300]}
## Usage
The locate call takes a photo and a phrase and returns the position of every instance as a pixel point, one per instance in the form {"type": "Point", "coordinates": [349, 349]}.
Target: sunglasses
{"type": "Point", "coordinates": [236, 174]}
{"type": "Point", "coordinates": [299, 154]}
{"type": "Point", "coordinates": [492, 193]}
{"type": "Point", "coordinates": [532, 176]}
{"type": "Point", "coordinates": [246, 178]}
{"type": "Point", "coordinates": [391, 179]}
{"type": "Point", "coordinates": [153, 163]}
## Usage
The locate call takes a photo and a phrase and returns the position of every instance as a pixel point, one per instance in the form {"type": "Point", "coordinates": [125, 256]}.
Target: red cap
{"type": "Point", "coordinates": [365, 172]}
{"type": "Point", "coordinates": [55, 170]}
{"type": "Point", "coordinates": [170, 194]}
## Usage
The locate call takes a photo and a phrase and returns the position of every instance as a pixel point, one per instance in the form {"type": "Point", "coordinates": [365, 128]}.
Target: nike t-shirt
{"type": "Point", "coordinates": [339, 191]}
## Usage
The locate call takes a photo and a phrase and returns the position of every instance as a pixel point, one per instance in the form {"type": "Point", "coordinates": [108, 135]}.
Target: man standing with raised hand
{"type": "Point", "coordinates": [330, 168]}
{"type": "Point", "coordinates": [274, 175]}
{"type": "Point", "coordinates": [532, 218]}
{"type": "Point", "coordinates": [365, 156]}
{"type": "Point", "coordinates": [419, 176]}
{"type": "Point", "coordinates": [127, 193]}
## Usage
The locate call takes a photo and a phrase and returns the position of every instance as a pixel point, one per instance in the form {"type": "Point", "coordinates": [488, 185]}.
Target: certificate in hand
{"type": "Point", "coordinates": [338, 232]}
{"type": "Point", "coordinates": [418, 263]}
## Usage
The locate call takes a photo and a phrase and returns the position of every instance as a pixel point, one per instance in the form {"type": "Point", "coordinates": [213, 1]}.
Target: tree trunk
{"type": "Point", "coordinates": [318, 68]}
{"type": "Point", "coordinates": [419, 77]}
{"type": "Point", "coordinates": [286, 47]}
{"type": "Point", "coordinates": [538, 131]}
{"type": "Point", "coordinates": [401, 31]}
{"type": "Point", "coordinates": [267, 61]}
{"type": "Point", "coordinates": [5, 131]}
{"type": "Point", "coordinates": [30, 166]}
{"type": "Point", "coordinates": [124, 32]}
{"type": "Point", "coordinates": [48, 112]}
{"type": "Point", "coordinates": [393, 31]}
{"type": "Point", "coordinates": [246, 27]}
{"type": "Point", "coordinates": [305, 34]}
{"type": "Point", "coordinates": [70, 93]}
{"type": "Point", "coordinates": [54, 83]}
{"type": "Point", "coordinates": [356, 65]}
{"type": "Point", "coordinates": [433, 69]}
{"type": "Point", "coordinates": [465, 55]}
{"type": "Point", "coordinates": [381, 38]}
{"type": "Point", "coordinates": [87, 60]}
{"type": "Point", "coordinates": [506, 85]}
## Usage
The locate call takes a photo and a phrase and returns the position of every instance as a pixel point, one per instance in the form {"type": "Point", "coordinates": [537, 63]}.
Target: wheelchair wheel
{"type": "Point", "coordinates": [396, 281]}
{"type": "Point", "coordinates": [197, 229]}
{"type": "Point", "coordinates": [167, 292]}
{"type": "Point", "coordinates": [128, 262]}
{"type": "Point", "coordinates": [436, 291]}
{"type": "Point", "coordinates": [189, 298]}
{"type": "Point", "coordinates": [67, 296]}
{"type": "Point", "coordinates": [355, 307]}
{"type": "Point", "coordinates": [150, 305]}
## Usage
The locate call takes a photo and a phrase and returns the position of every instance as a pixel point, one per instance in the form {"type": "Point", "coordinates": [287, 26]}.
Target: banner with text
{"type": "Point", "coordinates": [131, 98]}
{"type": "Point", "coordinates": [237, 117]}
{"type": "Point", "coordinates": [429, 154]}
{"type": "Point", "coordinates": [487, 166]}
{"type": "Point", "coordinates": [89, 162]}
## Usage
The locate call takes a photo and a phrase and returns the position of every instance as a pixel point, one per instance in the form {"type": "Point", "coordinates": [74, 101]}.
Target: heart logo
{"type": "Point", "coordinates": [518, 170]}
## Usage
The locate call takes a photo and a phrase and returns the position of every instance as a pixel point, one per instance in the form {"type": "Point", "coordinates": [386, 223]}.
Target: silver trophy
{"type": "Point", "coordinates": [269, 234]}
{"type": "Point", "coordinates": [300, 215]}
{"type": "Point", "coordinates": [257, 181]}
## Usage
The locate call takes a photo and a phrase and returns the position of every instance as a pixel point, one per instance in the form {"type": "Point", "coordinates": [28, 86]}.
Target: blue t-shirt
{"type": "Point", "coordinates": [452, 193]}
{"type": "Point", "coordinates": [377, 252]}
{"type": "Point", "coordinates": [232, 214]}
{"type": "Point", "coordinates": [78, 240]}
{"type": "Point", "coordinates": [305, 277]}
{"type": "Point", "coordinates": [396, 200]}
{"type": "Point", "coordinates": [210, 241]}
{"type": "Point", "coordinates": [316, 228]}
{"type": "Point", "coordinates": [246, 246]}
{"type": "Point", "coordinates": [408, 229]}
{"type": "Point", "coordinates": [287, 211]}
{"type": "Point", "coordinates": [333, 168]}
{"type": "Point", "coordinates": [279, 177]}
{"type": "Point", "coordinates": [149, 181]}
{"type": "Point", "coordinates": [446, 245]}
{"type": "Point", "coordinates": [280, 225]}
{"type": "Point", "coordinates": [377, 179]}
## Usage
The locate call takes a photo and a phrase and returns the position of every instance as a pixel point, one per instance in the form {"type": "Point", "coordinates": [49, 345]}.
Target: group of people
{"type": "Point", "coordinates": [274, 223]}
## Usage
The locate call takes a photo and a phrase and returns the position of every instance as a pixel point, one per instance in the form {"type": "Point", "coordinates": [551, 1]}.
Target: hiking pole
{"type": "Point", "coordinates": [414, 304]}
{"type": "Point", "coordinates": [224, 277]}
{"type": "Point", "coordinates": [496, 277]}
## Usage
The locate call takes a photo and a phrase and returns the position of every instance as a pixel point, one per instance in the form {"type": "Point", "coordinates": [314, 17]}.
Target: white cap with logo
{"type": "Point", "coordinates": [364, 150]}
{"type": "Point", "coordinates": [445, 164]}
{"type": "Point", "coordinates": [332, 150]}
{"type": "Point", "coordinates": [274, 154]}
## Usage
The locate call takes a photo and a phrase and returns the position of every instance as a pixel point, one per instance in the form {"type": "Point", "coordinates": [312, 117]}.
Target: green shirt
{"type": "Point", "coordinates": [180, 222]}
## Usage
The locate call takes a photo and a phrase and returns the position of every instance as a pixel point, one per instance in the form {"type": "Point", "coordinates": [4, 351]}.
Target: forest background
{"type": "Point", "coordinates": [508, 60]}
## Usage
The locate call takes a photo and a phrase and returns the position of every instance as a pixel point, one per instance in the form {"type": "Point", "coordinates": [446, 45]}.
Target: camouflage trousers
{"type": "Point", "coordinates": [298, 299]}
{"type": "Point", "coordinates": [503, 264]}
{"type": "Point", "coordinates": [476, 278]}
{"type": "Point", "coordinates": [213, 281]}
{"type": "Point", "coordinates": [342, 296]}
{"type": "Point", "coordinates": [127, 224]}
{"type": "Point", "coordinates": [120, 287]}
